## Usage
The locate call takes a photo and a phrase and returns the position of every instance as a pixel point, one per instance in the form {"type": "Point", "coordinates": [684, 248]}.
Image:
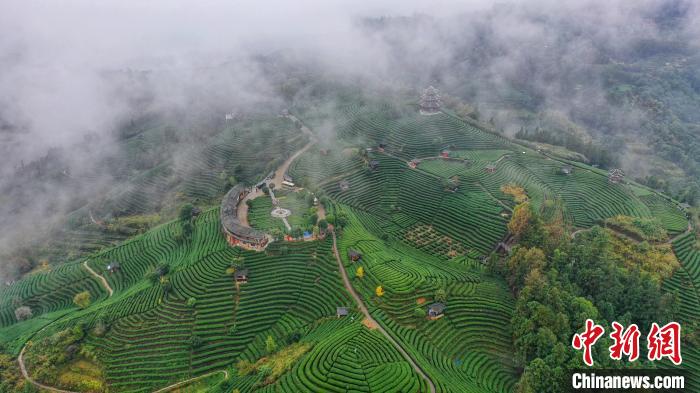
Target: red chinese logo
{"type": "Point", "coordinates": [665, 342]}
{"type": "Point", "coordinates": [587, 339]}
{"type": "Point", "coordinates": [662, 342]}
{"type": "Point", "coordinates": [625, 342]}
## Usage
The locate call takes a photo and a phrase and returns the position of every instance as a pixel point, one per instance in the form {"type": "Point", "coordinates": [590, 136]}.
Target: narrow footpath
{"type": "Point", "coordinates": [365, 312]}
{"type": "Point", "coordinates": [26, 376]}
{"type": "Point", "coordinates": [20, 358]}
{"type": "Point", "coordinates": [185, 382]}
{"type": "Point", "coordinates": [105, 284]}
{"type": "Point", "coordinates": [279, 174]}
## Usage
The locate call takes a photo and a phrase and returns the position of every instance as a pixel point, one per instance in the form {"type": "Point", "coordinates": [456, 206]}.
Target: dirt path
{"type": "Point", "coordinates": [20, 358]}
{"type": "Point", "coordinates": [576, 232]}
{"type": "Point", "coordinates": [26, 376]}
{"type": "Point", "coordinates": [185, 382]}
{"type": "Point", "coordinates": [279, 174]}
{"type": "Point", "coordinates": [282, 169]}
{"type": "Point", "coordinates": [368, 317]}
{"type": "Point", "coordinates": [102, 279]}
{"type": "Point", "coordinates": [500, 202]}
{"type": "Point", "coordinates": [94, 221]}
{"type": "Point", "coordinates": [687, 231]}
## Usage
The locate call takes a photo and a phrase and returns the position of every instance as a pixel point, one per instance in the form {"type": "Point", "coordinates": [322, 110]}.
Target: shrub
{"type": "Point", "coordinates": [23, 313]}
{"type": "Point", "coordinates": [100, 328]}
{"type": "Point", "coordinates": [419, 312]}
{"type": "Point", "coordinates": [323, 224]}
{"type": "Point", "coordinates": [270, 344]}
{"type": "Point", "coordinates": [441, 295]}
{"type": "Point", "coordinates": [82, 299]}
{"type": "Point", "coordinates": [293, 337]}
{"type": "Point", "coordinates": [196, 341]}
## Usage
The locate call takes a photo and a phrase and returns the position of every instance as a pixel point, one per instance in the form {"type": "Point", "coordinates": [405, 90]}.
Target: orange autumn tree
{"type": "Point", "coordinates": [520, 221]}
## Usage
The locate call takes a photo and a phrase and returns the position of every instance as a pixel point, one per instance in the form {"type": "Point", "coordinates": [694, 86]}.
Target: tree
{"type": "Point", "coordinates": [23, 313]}
{"type": "Point", "coordinates": [293, 337]}
{"type": "Point", "coordinates": [523, 262]}
{"type": "Point", "coordinates": [186, 212]}
{"type": "Point", "coordinates": [360, 272]}
{"type": "Point", "coordinates": [165, 284]}
{"type": "Point", "coordinates": [520, 220]}
{"type": "Point", "coordinates": [526, 226]}
{"type": "Point", "coordinates": [323, 224]}
{"type": "Point", "coordinates": [270, 344]}
{"type": "Point", "coordinates": [330, 218]}
{"type": "Point", "coordinates": [309, 199]}
{"type": "Point", "coordinates": [82, 299]}
{"type": "Point", "coordinates": [379, 291]}
{"type": "Point", "coordinates": [341, 220]}
{"type": "Point", "coordinates": [441, 295]}
{"type": "Point", "coordinates": [539, 377]}
{"type": "Point", "coordinates": [313, 218]}
{"type": "Point", "coordinates": [187, 229]}
{"type": "Point", "coordinates": [419, 312]}
{"type": "Point", "coordinates": [196, 341]}
{"type": "Point", "coordinates": [191, 302]}
{"type": "Point", "coordinates": [100, 328]}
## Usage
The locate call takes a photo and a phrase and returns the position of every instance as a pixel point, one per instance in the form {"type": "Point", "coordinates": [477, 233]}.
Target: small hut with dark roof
{"type": "Point", "coordinates": [344, 185]}
{"type": "Point", "coordinates": [341, 312]}
{"type": "Point", "coordinates": [354, 255]}
{"type": "Point", "coordinates": [113, 266]}
{"type": "Point", "coordinates": [374, 165]}
{"type": "Point", "coordinates": [567, 170]}
{"type": "Point", "coordinates": [436, 311]}
{"type": "Point", "coordinates": [241, 276]}
{"type": "Point", "coordinates": [490, 168]}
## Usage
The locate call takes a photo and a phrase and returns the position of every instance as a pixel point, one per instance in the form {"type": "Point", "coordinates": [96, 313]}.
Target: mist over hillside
{"type": "Point", "coordinates": [616, 81]}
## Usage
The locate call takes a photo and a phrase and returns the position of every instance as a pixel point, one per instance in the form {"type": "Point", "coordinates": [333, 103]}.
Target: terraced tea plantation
{"type": "Point", "coordinates": [182, 308]}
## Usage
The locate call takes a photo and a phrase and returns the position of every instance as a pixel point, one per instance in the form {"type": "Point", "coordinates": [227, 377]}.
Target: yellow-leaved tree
{"type": "Point", "coordinates": [82, 299]}
{"type": "Point", "coordinates": [360, 272]}
{"type": "Point", "coordinates": [379, 291]}
{"type": "Point", "coordinates": [520, 221]}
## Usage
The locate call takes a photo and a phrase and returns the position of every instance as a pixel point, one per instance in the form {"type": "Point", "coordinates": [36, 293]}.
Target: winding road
{"type": "Point", "coordinates": [367, 315]}
{"type": "Point", "coordinates": [279, 174]}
